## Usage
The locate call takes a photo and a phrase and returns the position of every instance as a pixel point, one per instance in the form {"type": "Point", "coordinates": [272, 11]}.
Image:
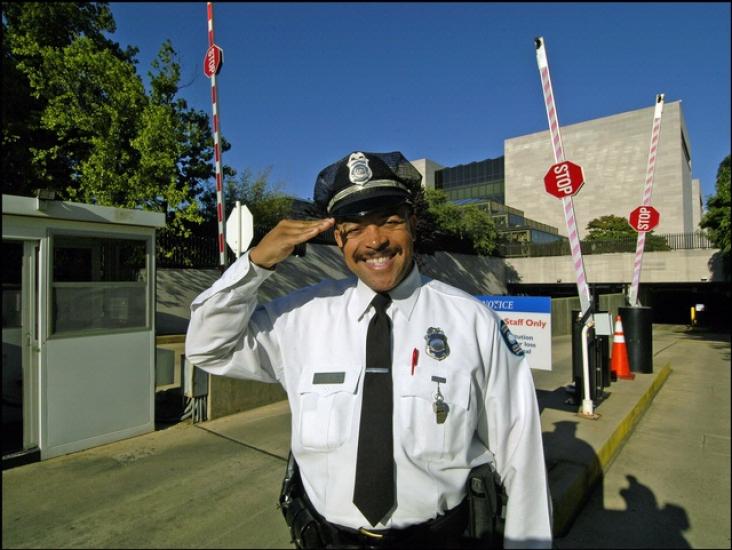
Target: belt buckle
{"type": "Point", "coordinates": [371, 534]}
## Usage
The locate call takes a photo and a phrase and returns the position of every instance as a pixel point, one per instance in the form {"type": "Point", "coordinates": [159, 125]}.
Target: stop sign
{"type": "Point", "coordinates": [564, 179]}
{"type": "Point", "coordinates": [213, 60]}
{"type": "Point", "coordinates": [644, 218]}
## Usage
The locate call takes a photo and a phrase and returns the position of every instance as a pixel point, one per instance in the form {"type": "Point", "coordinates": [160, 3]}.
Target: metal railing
{"type": "Point", "coordinates": [665, 242]}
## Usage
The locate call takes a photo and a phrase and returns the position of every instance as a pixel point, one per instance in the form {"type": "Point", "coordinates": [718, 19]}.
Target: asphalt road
{"type": "Point", "coordinates": [215, 484]}
{"type": "Point", "coordinates": [669, 487]}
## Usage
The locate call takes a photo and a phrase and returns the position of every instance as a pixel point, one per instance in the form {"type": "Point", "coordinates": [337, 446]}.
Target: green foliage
{"type": "Point", "coordinates": [426, 228]}
{"type": "Point", "coordinates": [30, 32]}
{"type": "Point", "coordinates": [607, 228]}
{"type": "Point", "coordinates": [265, 201]}
{"type": "Point", "coordinates": [614, 228]}
{"type": "Point", "coordinates": [716, 220]}
{"type": "Point", "coordinates": [94, 104]}
{"type": "Point", "coordinates": [77, 117]}
{"type": "Point", "coordinates": [463, 222]}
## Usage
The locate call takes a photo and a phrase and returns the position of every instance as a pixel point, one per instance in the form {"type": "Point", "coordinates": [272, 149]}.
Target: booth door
{"type": "Point", "coordinates": [19, 365]}
{"type": "Point", "coordinates": [99, 365]}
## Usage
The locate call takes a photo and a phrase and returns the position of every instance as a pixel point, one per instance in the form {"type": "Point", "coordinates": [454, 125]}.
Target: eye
{"type": "Point", "coordinates": [393, 222]}
{"type": "Point", "coordinates": [351, 231]}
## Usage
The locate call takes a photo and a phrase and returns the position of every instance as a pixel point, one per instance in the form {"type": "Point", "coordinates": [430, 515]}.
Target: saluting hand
{"type": "Point", "coordinates": [279, 243]}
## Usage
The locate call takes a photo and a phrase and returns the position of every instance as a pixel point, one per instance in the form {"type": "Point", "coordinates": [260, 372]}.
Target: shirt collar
{"type": "Point", "coordinates": [403, 296]}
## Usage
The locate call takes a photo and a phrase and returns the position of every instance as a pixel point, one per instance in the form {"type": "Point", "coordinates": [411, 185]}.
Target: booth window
{"type": "Point", "coordinates": [98, 284]}
{"type": "Point", "coordinates": [12, 270]}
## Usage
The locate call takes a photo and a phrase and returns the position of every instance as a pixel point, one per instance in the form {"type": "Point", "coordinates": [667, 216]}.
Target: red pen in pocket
{"type": "Point", "coordinates": [415, 358]}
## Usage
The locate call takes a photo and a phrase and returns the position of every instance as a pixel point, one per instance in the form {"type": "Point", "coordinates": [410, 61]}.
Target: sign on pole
{"type": "Point", "coordinates": [239, 229]}
{"type": "Point", "coordinates": [213, 61]}
{"type": "Point", "coordinates": [648, 213]}
{"type": "Point", "coordinates": [568, 205]}
{"type": "Point", "coordinates": [211, 66]}
{"type": "Point", "coordinates": [644, 218]}
{"type": "Point", "coordinates": [564, 179]}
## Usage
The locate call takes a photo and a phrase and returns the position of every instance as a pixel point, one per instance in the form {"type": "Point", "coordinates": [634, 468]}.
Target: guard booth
{"type": "Point", "coordinates": [78, 313]}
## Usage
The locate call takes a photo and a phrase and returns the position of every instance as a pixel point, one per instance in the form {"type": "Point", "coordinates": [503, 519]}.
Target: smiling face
{"type": "Point", "coordinates": [379, 247]}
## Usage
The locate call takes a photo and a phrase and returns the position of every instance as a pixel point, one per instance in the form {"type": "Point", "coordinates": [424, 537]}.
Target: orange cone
{"type": "Point", "coordinates": [619, 364]}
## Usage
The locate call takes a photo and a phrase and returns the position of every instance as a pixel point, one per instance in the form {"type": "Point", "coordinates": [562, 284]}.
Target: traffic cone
{"type": "Point", "coordinates": [619, 364]}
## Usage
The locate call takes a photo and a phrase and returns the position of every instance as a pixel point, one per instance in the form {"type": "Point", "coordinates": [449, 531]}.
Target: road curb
{"type": "Point", "coordinates": [612, 446]}
{"type": "Point", "coordinates": [572, 483]}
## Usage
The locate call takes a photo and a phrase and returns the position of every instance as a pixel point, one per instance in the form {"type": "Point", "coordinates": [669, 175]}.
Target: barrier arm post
{"type": "Point", "coordinates": [569, 217]}
{"type": "Point", "coordinates": [647, 191]}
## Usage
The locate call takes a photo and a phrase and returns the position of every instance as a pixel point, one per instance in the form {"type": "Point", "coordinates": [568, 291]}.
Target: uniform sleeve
{"type": "Point", "coordinates": [228, 334]}
{"type": "Point", "coordinates": [511, 429]}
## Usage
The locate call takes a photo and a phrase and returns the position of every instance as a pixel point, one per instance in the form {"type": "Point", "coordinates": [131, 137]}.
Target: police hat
{"type": "Point", "coordinates": [363, 182]}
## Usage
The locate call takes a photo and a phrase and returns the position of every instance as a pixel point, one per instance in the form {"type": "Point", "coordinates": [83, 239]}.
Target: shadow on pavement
{"type": "Point", "coordinates": [558, 399]}
{"type": "Point", "coordinates": [580, 518]}
{"type": "Point", "coordinates": [643, 523]}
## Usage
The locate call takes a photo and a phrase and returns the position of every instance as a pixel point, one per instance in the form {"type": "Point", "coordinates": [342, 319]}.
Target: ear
{"type": "Point", "coordinates": [338, 238]}
{"type": "Point", "coordinates": [413, 226]}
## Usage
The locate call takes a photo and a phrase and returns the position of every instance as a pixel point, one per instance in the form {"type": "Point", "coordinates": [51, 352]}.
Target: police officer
{"type": "Point", "coordinates": [399, 385]}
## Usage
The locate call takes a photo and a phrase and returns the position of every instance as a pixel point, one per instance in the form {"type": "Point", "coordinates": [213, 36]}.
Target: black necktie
{"type": "Point", "coordinates": [374, 490]}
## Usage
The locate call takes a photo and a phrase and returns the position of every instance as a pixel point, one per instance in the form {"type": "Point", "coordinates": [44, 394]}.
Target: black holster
{"type": "Point", "coordinates": [304, 526]}
{"type": "Point", "coordinates": [487, 505]}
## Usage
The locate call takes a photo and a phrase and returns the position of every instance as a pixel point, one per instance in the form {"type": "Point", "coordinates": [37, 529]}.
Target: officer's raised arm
{"type": "Point", "coordinates": [279, 243]}
{"type": "Point", "coordinates": [227, 334]}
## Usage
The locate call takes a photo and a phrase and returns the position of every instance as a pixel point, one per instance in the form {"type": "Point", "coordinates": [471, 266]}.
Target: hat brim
{"type": "Point", "coordinates": [369, 200]}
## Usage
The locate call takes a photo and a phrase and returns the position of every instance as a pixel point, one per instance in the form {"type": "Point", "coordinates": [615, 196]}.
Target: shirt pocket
{"type": "Point", "coordinates": [423, 437]}
{"type": "Point", "coordinates": [327, 400]}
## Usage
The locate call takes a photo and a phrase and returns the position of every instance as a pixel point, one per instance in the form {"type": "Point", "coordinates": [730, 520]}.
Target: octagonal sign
{"type": "Point", "coordinates": [644, 218]}
{"type": "Point", "coordinates": [564, 179]}
{"type": "Point", "coordinates": [239, 228]}
{"type": "Point", "coordinates": [213, 60]}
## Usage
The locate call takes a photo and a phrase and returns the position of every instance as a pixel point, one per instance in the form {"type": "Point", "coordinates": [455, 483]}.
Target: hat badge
{"type": "Point", "coordinates": [358, 165]}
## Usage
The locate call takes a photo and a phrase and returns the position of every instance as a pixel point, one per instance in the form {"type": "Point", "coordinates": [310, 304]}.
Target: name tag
{"type": "Point", "coordinates": [329, 377]}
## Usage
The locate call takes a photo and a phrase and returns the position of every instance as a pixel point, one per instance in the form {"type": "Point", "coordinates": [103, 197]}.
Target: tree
{"type": "Point", "coordinates": [717, 218]}
{"type": "Point", "coordinates": [79, 120]}
{"type": "Point", "coordinates": [174, 146]}
{"type": "Point", "coordinates": [264, 200]}
{"type": "Point", "coordinates": [463, 222]}
{"type": "Point", "coordinates": [32, 32]}
{"type": "Point", "coordinates": [94, 108]}
{"type": "Point", "coordinates": [425, 243]}
{"type": "Point", "coordinates": [608, 228]}
{"type": "Point", "coordinates": [614, 228]}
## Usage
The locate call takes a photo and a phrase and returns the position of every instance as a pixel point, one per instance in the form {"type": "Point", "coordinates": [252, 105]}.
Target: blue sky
{"type": "Point", "coordinates": [304, 84]}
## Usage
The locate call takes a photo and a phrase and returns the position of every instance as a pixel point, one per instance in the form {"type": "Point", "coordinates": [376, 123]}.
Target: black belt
{"type": "Point", "coordinates": [441, 532]}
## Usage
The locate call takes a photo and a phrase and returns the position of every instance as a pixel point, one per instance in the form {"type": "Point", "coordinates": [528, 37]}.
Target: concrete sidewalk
{"type": "Point", "coordinates": [215, 484]}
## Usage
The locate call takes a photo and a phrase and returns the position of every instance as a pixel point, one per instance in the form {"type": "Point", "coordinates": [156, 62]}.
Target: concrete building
{"type": "Point", "coordinates": [427, 168]}
{"type": "Point", "coordinates": [482, 183]}
{"type": "Point", "coordinates": [613, 152]}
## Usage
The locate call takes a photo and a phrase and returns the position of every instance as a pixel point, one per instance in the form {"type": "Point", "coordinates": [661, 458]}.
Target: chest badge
{"type": "Point", "coordinates": [437, 347]}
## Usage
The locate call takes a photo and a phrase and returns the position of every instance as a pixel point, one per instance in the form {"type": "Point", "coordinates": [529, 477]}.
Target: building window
{"type": "Point", "coordinates": [98, 284]}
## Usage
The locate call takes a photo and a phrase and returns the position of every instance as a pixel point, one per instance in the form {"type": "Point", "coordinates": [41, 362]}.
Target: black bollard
{"type": "Point", "coordinates": [638, 332]}
{"type": "Point", "coordinates": [594, 352]}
